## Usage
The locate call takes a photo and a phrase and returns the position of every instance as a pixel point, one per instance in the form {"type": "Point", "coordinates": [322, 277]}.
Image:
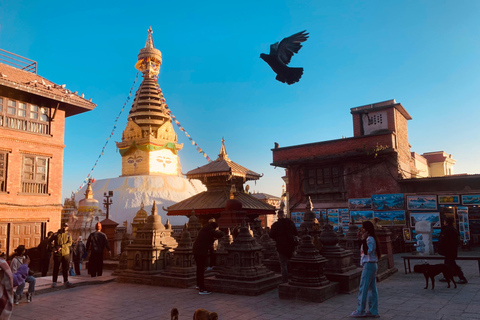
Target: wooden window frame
{"type": "Point", "coordinates": [37, 166]}
{"type": "Point", "coordinates": [32, 121]}
{"type": "Point", "coordinates": [3, 171]}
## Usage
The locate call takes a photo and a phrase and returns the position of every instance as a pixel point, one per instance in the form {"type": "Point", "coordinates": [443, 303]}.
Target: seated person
{"type": "Point", "coordinates": [18, 260]}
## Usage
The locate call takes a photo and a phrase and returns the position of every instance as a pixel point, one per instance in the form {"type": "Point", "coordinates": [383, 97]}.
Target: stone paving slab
{"type": "Point", "coordinates": [400, 297]}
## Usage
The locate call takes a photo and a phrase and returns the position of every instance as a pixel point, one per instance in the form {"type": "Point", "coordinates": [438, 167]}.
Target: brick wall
{"type": "Point", "coordinates": [14, 204]}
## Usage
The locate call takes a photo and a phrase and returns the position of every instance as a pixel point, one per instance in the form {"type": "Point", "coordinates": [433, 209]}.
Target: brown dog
{"type": "Point", "coordinates": [430, 271]}
{"type": "Point", "coordinates": [174, 314]}
{"type": "Point", "coordinates": [202, 314]}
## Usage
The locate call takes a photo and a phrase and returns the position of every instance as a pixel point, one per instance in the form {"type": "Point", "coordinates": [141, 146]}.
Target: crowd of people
{"type": "Point", "coordinates": [15, 273]}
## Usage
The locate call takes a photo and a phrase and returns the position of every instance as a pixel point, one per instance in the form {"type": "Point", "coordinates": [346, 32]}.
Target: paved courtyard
{"type": "Point", "coordinates": [400, 297]}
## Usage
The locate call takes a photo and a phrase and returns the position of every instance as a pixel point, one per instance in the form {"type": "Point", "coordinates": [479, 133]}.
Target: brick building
{"type": "Point", "coordinates": [32, 126]}
{"type": "Point", "coordinates": [376, 160]}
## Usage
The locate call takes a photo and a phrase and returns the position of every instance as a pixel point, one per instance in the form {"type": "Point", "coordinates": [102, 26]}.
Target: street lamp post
{"type": "Point", "coordinates": [107, 201]}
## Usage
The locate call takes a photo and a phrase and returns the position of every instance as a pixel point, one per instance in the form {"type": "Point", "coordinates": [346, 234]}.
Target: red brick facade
{"type": "Point", "coordinates": [371, 162]}
{"type": "Point", "coordinates": [28, 208]}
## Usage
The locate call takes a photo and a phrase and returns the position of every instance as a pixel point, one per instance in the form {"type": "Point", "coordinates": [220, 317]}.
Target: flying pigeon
{"type": "Point", "coordinates": [280, 55]}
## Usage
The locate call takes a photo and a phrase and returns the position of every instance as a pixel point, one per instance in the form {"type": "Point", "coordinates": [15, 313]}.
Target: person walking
{"type": "Point", "coordinates": [78, 251]}
{"type": "Point", "coordinates": [448, 247]}
{"type": "Point", "coordinates": [203, 243]}
{"type": "Point", "coordinates": [6, 289]}
{"type": "Point", "coordinates": [96, 243]}
{"type": "Point", "coordinates": [19, 259]}
{"type": "Point", "coordinates": [370, 253]}
{"type": "Point", "coordinates": [61, 254]}
{"type": "Point", "coordinates": [284, 231]}
{"type": "Point", "coordinates": [45, 249]}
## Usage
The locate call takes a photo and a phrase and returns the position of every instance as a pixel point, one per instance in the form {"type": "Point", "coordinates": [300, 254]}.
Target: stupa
{"type": "Point", "coordinates": [82, 221]}
{"type": "Point", "coordinates": [151, 169]}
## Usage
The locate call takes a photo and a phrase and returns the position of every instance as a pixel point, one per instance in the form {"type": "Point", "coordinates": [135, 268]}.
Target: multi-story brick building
{"type": "Point", "coordinates": [32, 126]}
{"type": "Point", "coordinates": [376, 160]}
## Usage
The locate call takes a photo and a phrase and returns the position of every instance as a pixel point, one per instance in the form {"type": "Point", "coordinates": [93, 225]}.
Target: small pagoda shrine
{"type": "Point", "coordinates": [150, 251]}
{"type": "Point", "coordinates": [224, 180]}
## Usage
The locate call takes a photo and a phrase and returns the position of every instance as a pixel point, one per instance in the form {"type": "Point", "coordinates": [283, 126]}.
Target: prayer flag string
{"type": "Point", "coordinates": [111, 134]}
{"type": "Point", "coordinates": [162, 100]}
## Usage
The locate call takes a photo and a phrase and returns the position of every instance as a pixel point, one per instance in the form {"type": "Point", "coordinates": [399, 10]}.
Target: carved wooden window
{"type": "Point", "coordinates": [35, 174]}
{"type": "Point", "coordinates": [3, 171]}
{"type": "Point", "coordinates": [324, 183]}
{"type": "Point", "coordinates": [23, 116]}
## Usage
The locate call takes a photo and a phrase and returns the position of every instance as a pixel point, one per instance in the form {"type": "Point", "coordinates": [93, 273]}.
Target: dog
{"type": "Point", "coordinates": [174, 314]}
{"type": "Point", "coordinates": [430, 271]}
{"type": "Point", "coordinates": [200, 314]}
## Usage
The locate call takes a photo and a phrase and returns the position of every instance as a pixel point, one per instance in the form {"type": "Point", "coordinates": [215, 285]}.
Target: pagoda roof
{"type": "Point", "coordinates": [214, 202]}
{"type": "Point", "coordinates": [264, 196]}
{"type": "Point", "coordinates": [223, 166]}
{"type": "Point", "coordinates": [21, 82]}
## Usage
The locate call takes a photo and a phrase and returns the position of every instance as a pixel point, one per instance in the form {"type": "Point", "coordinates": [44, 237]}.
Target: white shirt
{"type": "Point", "coordinates": [371, 254]}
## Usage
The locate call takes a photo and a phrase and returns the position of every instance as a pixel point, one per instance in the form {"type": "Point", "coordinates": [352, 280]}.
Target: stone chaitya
{"type": "Point", "coordinates": [244, 273]}
{"type": "Point", "coordinates": [181, 270]}
{"type": "Point", "coordinates": [351, 242]}
{"type": "Point", "coordinates": [149, 252]}
{"type": "Point", "coordinates": [194, 226]}
{"type": "Point", "coordinates": [139, 220]}
{"type": "Point", "coordinates": [340, 266]}
{"type": "Point", "coordinates": [221, 255]}
{"type": "Point", "coordinates": [308, 281]}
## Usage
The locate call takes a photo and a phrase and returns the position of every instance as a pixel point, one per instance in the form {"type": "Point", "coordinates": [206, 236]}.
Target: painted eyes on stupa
{"type": "Point", "coordinates": [132, 160]}
{"type": "Point", "coordinates": [163, 160]}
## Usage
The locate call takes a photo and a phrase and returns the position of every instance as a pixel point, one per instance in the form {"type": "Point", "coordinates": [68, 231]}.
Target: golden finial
{"type": "Point", "coordinates": [149, 58]}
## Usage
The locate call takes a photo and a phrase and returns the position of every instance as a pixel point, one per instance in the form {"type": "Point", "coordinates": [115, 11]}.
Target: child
{"type": "Point", "coordinates": [17, 261]}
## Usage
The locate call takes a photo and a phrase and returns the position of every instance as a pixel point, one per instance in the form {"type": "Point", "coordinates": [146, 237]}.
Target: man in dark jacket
{"type": "Point", "coordinates": [448, 247]}
{"type": "Point", "coordinates": [45, 249]}
{"type": "Point", "coordinates": [284, 232]}
{"type": "Point", "coordinates": [201, 247]}
{"type": "Point", "coordinates": [61, 250]}
{"type": "Point", "coordinates": [96, 244]}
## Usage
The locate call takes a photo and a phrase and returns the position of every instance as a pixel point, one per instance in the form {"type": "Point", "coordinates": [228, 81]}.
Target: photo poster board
{"type": "Point", "coordinates": [463, 223]}
{"type": "Point", "coordinates": [422, 202]}
{"type": "Point", "coordinates": [448, 199]}
{"type": "Point", "coordinates": [359, 216]}
{"type": "Point", "coordinates": [344, 218]}
{"type": "Point", "coordinates": [432, 217]}
{"type": "Point", "coordinates": [390, 218]}
{"type": "Point", "coordinates": [471, 199]}
{"type": "Point", "coordinates": [360, 203]}
{"type": "Point", "coordinates": [297, 218]}
{"type": "Point", "coordinates": [333, 215]}
{"type": "Point", "coordinates": [388, 201]}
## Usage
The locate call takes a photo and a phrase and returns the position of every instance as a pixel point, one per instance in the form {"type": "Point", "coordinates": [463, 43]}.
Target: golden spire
{"type": "Point", "coordinates": [149, 58]}
{"type": "Point", "coordinates": [89, 191]}
{"type": "Point", "coordinates": [223, 152]}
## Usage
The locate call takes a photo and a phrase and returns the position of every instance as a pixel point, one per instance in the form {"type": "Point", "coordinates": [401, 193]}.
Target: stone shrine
{"type": "Point", "coordinates": [308, 281]}
{"type": "Point", "coordinates": [244, 273]}
{"type": "Point", "coordinates": [150, 251]}
{"type": "Point", "coordinates": [340, 266]}
{"type": "Point", "coordinates": [181, 271]}
{"type": "Point", "coordinates": [351, 242]}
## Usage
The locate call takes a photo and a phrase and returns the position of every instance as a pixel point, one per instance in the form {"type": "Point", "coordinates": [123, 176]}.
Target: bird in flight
{"type": "Point", "coordinates": [281, 54]}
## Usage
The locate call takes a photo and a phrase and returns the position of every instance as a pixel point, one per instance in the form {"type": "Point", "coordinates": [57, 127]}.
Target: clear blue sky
{"type": "Point", "coordinates": [424, 54]}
